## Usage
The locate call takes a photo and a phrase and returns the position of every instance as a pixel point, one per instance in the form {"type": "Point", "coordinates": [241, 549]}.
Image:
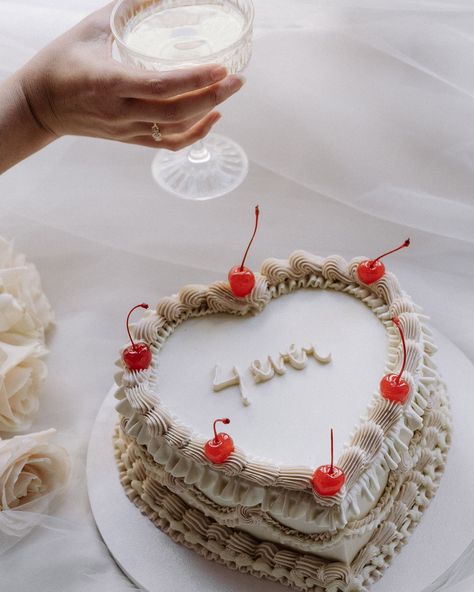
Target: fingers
{"type": "Point", "coordinates": [178, 141]}
{"type": "Point", "coordinates": [151, 85]}
{"type": "Point", "coordinates": [184, 106]}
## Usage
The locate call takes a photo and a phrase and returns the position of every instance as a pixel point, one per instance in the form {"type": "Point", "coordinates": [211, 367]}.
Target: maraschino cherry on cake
{"type": "Point", "coordinates": [328, 479]}
{"type": "Point", "coordinates": [241, 278]}
{"type": "Point", "coordinates": [136, 356]}
{"type": "Point", "coordinates": [218, 449]}
{"type": "Point", "coordinates": [261, 496]}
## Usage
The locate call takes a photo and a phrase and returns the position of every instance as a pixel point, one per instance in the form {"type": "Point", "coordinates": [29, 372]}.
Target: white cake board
{"type": "Point", "coordinates": [154, 562]}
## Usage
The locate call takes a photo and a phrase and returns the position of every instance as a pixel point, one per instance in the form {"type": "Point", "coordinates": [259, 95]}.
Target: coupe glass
{"type": "Point", "coordinates": [174, 34]}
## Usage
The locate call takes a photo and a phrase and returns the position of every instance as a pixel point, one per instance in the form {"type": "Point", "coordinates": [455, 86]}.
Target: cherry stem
{"type": "Point", "coordinates": [396, 322]}
{"type": "Point", "coordinates": [257, 213]}
{"type": "Point", "coordinates": [225, 420]}
{"type": "Point", "coordinates": [331, 470]}
{"type": "Point", "coordinates": [142, 305]}
{"type": "Point", "coordinates": [402, 246]}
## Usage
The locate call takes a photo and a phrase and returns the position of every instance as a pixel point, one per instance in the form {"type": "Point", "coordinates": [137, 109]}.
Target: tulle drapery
{"type": "Point", "coordinates": [358, 119]}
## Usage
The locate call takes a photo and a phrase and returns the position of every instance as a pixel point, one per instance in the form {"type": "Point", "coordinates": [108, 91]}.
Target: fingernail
{"type": "Point", "coordinates": [236, 82]}
{"type": "Point", "coordinates": [218, 73]}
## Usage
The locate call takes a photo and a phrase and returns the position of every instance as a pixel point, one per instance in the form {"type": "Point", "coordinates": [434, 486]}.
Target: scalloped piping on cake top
{"type": "Point", "coordinates": [378, 445]}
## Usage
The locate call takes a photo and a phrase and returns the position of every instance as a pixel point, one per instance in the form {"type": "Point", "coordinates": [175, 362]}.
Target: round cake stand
{"type": "Point", "coordinates": [157, 564]}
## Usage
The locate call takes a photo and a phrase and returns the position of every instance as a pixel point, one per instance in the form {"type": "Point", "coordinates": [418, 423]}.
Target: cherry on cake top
{"type": "Point", "coordinates": [392, 386]}
{"type": "Point", "coordinates": [136, 356]}
{"type": "Point", "coordinates": [219, 448]}
{"type": "Point", "coordinates": [241, 278]}
{"type": "Point", "coordinates": [371, 270]}
{"type": "Point", "coordinates": [328, 480]}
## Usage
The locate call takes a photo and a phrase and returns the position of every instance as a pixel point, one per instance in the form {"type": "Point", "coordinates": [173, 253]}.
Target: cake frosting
{"type": "Point", "coordinates": [262, 516]}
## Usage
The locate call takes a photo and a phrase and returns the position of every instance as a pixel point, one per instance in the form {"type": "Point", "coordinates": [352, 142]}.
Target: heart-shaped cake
{"type": "Point", "coordinates": [310, 349]}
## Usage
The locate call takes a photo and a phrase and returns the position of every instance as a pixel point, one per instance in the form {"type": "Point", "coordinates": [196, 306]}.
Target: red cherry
{"type": "Point", "coordinates": [392, 386]}
{"type": "Point", "coordinates": [241, 281]}
{"type": "Point", "coordinates": [241, 278]}
{"type": "Point", "coordinates": [371, 270]}
{"type": "Point", "coordinates": [328, 480]}
{"type": "Point", "coordinates": [138, 355]}
{"type": "Point", "coordinates": [219, 448]}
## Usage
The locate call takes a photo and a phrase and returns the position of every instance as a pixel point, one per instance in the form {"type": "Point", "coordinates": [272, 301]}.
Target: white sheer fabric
{"type": "Point", "coordinates": [358, 119]}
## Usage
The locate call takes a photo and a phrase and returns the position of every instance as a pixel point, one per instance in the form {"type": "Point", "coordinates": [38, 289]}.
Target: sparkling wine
{"type": "Point", "coordinates": [185, 33]}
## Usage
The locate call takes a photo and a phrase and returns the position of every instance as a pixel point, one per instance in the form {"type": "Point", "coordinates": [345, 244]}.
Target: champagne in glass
{"type": "Point", "coordinates": [171, 34]}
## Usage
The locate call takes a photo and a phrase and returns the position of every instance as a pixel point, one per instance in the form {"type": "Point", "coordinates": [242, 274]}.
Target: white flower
{"type": "Point", "coordinates": [32, 473]}
{"type": "Point", "coordinates": [21, 377]}
{"type": "Point", "coordinates": [15, 320]}
{"type": "Point", "coordinates": [24, 307]}
{"type": "Point", "coordinates": [31, 467]}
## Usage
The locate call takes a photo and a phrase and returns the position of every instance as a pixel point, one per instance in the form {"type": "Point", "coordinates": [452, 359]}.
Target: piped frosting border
{"type": "Point", "coordinates": [378, 444]}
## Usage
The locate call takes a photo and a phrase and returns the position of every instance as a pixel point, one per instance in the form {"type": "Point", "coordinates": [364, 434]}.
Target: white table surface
{"type": "Point", "coordinates": [358, 121]}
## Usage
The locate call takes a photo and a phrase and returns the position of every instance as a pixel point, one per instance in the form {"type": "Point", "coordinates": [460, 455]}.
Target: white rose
{"type": "Point", "coordinates": [16, 321]}
{"type": "Point", "coordinates": [11, 312]}
{"type": "Point", "coordinates": [21, 377]}
{"type": "Point", "coordinates": [32, 473]}
{"type": "Point", "coordinates": [31, 467]}
{"type": "Point", "coordinates": [22, 282]}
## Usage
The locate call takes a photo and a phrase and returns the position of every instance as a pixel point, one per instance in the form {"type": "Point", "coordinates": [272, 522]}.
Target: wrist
{"type": "Point", "coordinates": [32, 96]}
{"type": "Point", "coordinates": [21, 132]}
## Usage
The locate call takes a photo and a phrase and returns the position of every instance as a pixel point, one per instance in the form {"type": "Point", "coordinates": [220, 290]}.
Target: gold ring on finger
{"type": "Point", "coordinates": [156, 132]}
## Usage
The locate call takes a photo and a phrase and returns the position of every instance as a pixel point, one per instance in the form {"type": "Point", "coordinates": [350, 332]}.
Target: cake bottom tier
{"type": "Point", "coordinates": [238, 550]}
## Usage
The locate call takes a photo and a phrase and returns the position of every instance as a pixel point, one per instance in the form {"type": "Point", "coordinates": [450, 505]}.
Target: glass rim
{"type": "Point", "coordinates": [196, 61]}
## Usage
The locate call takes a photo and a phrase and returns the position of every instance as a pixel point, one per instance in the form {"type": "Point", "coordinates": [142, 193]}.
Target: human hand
{"type": "Point", "coordinates": [74, 86]}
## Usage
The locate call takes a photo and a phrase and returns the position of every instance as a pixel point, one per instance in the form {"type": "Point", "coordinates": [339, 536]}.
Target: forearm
{"type": "Point", "coordinates": [20, 132]}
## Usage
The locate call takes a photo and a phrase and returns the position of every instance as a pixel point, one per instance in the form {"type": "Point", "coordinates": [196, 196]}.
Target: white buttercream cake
{"type": "Point", "coordinates": [304, 352]}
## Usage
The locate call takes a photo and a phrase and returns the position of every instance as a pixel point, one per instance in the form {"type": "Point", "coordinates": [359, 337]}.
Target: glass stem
{"type": "Point", "coordinates": [199, 153]}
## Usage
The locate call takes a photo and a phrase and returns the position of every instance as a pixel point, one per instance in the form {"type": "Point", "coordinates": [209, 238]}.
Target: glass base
{"type": "Point", "coordinates": [207, 170]}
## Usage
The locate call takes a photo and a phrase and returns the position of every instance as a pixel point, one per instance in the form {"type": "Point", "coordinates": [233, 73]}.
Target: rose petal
{"type": "Point", "coordinates": [30, 468]}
